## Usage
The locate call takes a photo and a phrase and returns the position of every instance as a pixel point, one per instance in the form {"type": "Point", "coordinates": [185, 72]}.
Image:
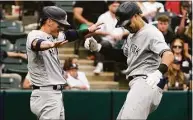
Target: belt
{"type": "Point", "coordinates": [134, 76]}
{"type": "Point", "coordinates": [51, 87]}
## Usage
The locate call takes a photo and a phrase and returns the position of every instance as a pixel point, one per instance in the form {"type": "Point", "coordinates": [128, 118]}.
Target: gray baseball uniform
{"type": "Point", "coordinates": [45, 71]}
{"type": "Point", "coordinates": [142, 50]}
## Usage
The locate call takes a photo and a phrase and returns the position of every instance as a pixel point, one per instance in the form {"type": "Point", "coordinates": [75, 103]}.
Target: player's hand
{"type": "Point", "coordinates": [92, 45]}
{"type": "Point", "coordinates": [94, 27]}
{"type": "Point", "coordinates": [154, 78]}
{"type": "Point", "coordinates": [59, 43]}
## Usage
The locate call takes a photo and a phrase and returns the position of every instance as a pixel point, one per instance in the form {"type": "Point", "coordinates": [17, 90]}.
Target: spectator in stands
{"type": "Point", "coordinates": [175, 77]}
{"type": "Point", "coordinates": [179, 55]}
{"type": "Point", "coordinates": [179, 22]}
{"type": "Point", "coordinates": [151, 8]}
{"type": "Point", "coordinates": [173, 6]}
{"type": "Point", "coordinates": [108, 35]}
{"type": "Point", "coordinates": [5, 54]}
{"type": "Point", "coordinates": [187, 37]}
{"type": "Point", "coordinates": [163, 26]}
{"type": "Point", "coordinates": [85, 14]}
{"type": "Point", "coordinates": [145, 11]}
{"type": "Point", "coordinates": [76, 80]}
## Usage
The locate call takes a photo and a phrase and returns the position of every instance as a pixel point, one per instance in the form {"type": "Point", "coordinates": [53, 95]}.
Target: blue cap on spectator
{"type": "Point", "coordinates": [73, 66]}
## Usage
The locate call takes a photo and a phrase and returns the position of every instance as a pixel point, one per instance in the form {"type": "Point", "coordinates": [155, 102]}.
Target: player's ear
{"type": "Point", "coordinates": [49, 22]}
{"type": "Point", "coordinates": [137, 17]}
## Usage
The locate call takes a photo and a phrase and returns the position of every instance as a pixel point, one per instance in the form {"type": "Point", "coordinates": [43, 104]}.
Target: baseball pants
{"type": "Point", "coordinates": [141, 100]}
{"type": "Point", "coordinates": [47, 104]}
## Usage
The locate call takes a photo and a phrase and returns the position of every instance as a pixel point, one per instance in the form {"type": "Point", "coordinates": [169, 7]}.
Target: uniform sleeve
{"type": "Point", "coordinates": [30, 38]}
{"type": "Point", "coordinates": [158, 45]}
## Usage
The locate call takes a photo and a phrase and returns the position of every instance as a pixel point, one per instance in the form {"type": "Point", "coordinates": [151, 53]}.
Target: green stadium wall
{"type": "Point", "coordinates": [95, 105]}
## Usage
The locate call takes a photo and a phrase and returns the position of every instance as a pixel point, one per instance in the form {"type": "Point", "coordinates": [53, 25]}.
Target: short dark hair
{"type": "Point", "coordinates": [42, 21]}
{"type": "Point", "coordinates": [163, 18]}
{"type": "Point", "coordinates": [69, 65]}
{"type": "Point", "coordinates": [113, 1]}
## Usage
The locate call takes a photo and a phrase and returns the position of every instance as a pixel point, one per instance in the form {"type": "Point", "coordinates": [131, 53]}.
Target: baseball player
{"type": "Point", "coordinates": [45, 72]}
{"type": "Point", "coordinates": [148, 58]}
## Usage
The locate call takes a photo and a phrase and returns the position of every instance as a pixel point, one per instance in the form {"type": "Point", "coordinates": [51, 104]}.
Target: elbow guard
{"type": "Point", "coordinates": [37, 45]}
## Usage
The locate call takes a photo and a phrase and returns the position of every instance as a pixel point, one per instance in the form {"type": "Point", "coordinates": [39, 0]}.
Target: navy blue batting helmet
{"type": "Point", "coordinates": [125, 12]}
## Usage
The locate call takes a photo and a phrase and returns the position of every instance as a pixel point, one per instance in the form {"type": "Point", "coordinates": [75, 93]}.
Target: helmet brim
{"type": "Point", "coordinates": [64, 23]}
{"type": "Point", "coordinates": [122, 23]}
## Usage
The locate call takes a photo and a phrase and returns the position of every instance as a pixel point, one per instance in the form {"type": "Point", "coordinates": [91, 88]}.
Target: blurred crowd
{"type": "Point", "coordinates": [172, 18]}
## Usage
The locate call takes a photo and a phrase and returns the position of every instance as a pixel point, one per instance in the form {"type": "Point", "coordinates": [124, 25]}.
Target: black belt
{"type": "Point", "coordinates": [161, 84]}
{"type": "Point", "coordinates": [134, 76]}
{"type": "Point", "coordinates": [54, 87]}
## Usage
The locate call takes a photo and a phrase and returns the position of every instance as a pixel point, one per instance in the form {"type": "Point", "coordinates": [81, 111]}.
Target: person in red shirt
{"type": "Point", "coordinates": [173, 6]}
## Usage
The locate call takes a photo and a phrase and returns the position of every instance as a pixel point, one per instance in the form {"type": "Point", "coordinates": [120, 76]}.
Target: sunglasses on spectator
{"type": "Point", "coordinates": [177, 62]}
{"type": "Point", "coordinates": [177, 46]}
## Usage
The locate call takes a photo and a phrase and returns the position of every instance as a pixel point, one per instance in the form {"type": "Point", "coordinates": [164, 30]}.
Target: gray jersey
{"type": "Point", "coordinates": [44, 66]}
{"type": "Point", "coordinates": [143, 50]}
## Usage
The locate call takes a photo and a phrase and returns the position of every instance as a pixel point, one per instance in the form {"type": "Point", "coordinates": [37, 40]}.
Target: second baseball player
{"type": "Point", "coordinates": [148, 58]}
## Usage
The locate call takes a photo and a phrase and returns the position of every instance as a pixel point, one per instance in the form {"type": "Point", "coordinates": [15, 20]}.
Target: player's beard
{"type": "Point", "coordinates": [55, 33]}
{"type": "Point", "coordinates": [131, 30]}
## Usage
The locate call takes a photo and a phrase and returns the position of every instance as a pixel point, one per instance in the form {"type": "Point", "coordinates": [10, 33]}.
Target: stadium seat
{"type": "Point", "coordinates": [13, 36]}
{"type": "Point", "coordinates": [11, 26]}
{"type": "Point", "coordinates": [6, 45]}
{"type": "Point", "coordinates": [20, 45]}
{"type": "Point", "coordinates": [10, 60]}
{"type": "Point", "coordinates": [9, 83]}
{"type": "Point", "coordinates": [16, 68]}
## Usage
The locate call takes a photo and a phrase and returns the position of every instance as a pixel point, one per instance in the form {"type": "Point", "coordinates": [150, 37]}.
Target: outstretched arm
{"type": "Point", "coordinates": [72, 35]}
{"type": "Point", "coordinates": [114, 54]}
{"type": "Point", "coordinates": [41, 45]}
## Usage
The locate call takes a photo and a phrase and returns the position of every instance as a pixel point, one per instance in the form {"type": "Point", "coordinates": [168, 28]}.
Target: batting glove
{"type": "Point", "coordinates": [92, 45]}
{"type": "Point", "coordinates": [154, 78]}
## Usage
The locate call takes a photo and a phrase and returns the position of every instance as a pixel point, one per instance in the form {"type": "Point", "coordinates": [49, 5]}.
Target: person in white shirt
{"type": "Point", "coordinates": [76, 80]}
{"type": "Point", "coordinates": [108, 35]}
{"type": "Point", "coordinates": [151, 8]}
